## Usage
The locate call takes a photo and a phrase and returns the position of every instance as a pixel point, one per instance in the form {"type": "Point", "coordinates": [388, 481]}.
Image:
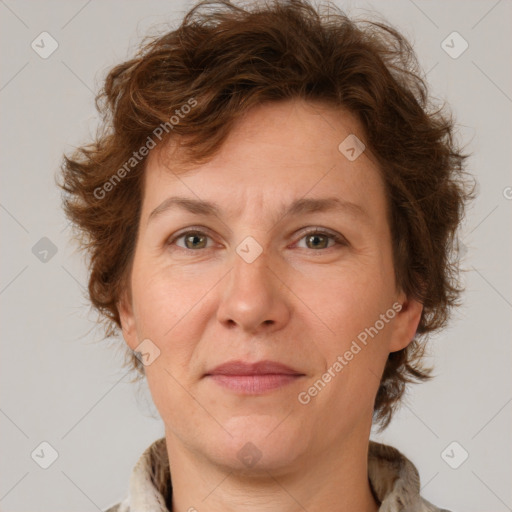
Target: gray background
{"type": "Point", "coordinates": [62, 386]}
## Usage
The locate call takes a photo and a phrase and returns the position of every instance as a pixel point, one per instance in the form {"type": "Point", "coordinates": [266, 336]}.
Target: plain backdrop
{"type": "Point", "coordinates": [61, 386]}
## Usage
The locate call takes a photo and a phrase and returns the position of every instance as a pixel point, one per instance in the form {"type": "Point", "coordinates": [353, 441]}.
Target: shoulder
{"type": "Point", "coordinates": [122, 506]}
{"type": "Point", "coordinates": [395, 481]}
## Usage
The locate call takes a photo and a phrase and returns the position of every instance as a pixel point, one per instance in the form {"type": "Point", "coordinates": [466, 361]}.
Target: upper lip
{"type": "Point", "coordinates": [258, 368]}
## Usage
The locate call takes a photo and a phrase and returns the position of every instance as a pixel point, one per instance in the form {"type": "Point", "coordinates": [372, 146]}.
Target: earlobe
{"type": "Point", "coordinates": [127, 319]}
{"type": "Point", "coordinates": [406, 324]}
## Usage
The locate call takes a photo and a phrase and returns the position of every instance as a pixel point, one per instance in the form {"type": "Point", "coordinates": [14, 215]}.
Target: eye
{"type": "Point", "coordinates": [318, 239]}
{"type": "Point", "coordinates": [192, 240]}
{"type": "Point", "coordinates": [314, 239]}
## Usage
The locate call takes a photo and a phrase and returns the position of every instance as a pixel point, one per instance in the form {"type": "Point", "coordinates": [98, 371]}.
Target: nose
{"type": "Point", "coordinates": [254, 298]}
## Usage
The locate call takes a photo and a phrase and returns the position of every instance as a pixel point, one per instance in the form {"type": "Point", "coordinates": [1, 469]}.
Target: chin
{"type": "Point", "coordinates": [259, 444]}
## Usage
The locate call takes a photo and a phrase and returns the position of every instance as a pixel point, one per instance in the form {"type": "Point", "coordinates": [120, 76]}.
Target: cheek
{"type": "Point", "coordinates": [171, 310]}
{"type": "Point", "coordinates": [352, 298]}
{"type": "Point", "coordinates": [161, 297]}
{"type": "Point", "coordinates": [351, 304]}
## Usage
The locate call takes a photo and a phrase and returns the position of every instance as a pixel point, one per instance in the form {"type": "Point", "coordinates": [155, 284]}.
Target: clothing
{"type": "Point", "coordinates": [393, 478]}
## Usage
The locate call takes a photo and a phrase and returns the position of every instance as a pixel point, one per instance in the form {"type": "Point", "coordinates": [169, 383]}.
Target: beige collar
{"type": "Point", "coordinates": [393, 478]}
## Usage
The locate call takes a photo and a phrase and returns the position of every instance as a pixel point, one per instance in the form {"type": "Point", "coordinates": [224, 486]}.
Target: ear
{"type": "Point", "coordinates": [129, 328]}
{"type": "Point", "coordinates": [405, 323]}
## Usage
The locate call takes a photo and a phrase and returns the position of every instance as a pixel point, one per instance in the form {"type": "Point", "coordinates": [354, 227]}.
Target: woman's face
{"type": "Point", "coordinates": [250, 283]}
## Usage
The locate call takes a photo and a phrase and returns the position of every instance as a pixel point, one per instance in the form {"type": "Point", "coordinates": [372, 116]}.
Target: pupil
{"type": "Point", "coordinates": [194, 238]}
{"type": "Point", "coordinates": [314, 238]}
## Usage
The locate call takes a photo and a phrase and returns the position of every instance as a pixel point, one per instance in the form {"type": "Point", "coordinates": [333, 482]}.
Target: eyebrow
{"type": "Point", "coordinates": [298, 207]}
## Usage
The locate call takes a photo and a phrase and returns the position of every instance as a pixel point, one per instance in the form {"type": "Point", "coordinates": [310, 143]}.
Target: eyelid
{"type": "Point", "coordinates": [337, 237]}
{"type": "Point", "coordinates": [315, 230]}
{"type": "Point", "coordinates": [202, 230]}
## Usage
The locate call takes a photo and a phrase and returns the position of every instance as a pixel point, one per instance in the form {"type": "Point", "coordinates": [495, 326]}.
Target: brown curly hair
{"type": "Point", "coordinates": [224, 59]}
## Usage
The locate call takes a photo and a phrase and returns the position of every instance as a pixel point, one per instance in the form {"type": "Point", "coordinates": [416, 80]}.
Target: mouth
{"type": "Point", "coordinates": [253, 378]}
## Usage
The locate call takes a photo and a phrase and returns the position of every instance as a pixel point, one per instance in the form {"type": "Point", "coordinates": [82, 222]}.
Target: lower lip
{"type": "Point", "coordinates": [254, 384]}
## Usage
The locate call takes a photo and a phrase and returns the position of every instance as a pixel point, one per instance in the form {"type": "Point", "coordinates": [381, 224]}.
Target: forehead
{"type": "Point", "coordinates": [275, 153]}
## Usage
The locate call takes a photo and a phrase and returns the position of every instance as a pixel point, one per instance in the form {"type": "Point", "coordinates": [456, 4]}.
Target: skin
{"type": "Point", "coordinates": [301, 303]}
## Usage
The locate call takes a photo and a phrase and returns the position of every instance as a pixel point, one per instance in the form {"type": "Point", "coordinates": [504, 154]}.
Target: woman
{"type": "Point", "coordinates": [269, 214]}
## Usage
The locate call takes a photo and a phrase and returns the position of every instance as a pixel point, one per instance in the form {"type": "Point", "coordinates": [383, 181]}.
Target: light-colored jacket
{"type": "Point", "coordinates": [393, 478]}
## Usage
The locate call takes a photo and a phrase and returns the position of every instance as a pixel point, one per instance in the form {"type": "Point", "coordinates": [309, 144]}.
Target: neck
{"type": "Point", "coordinates": [336, 480]}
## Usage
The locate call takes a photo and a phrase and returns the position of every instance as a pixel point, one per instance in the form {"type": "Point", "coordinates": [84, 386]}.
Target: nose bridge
{"type": "Point", "coordinates": [253, 296]}
{"type": "Point", "coordinates": [251, 267]}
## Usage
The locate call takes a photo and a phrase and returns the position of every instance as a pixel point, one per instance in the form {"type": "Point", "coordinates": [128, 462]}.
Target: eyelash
{"type": "Point", "coordinates": [338, 239]}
